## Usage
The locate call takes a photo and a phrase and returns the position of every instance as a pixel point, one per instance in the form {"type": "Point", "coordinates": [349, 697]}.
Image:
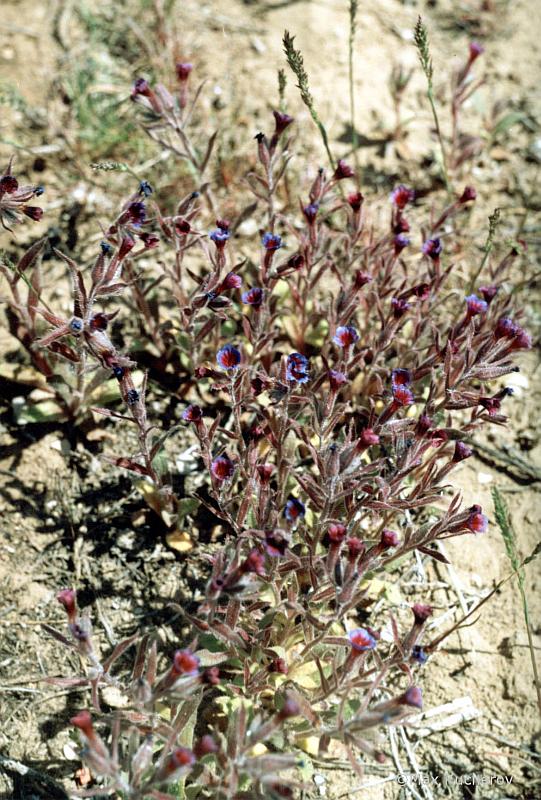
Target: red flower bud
{"type": "Point", "coordinates": [183, 71]}
{"type": "Point", "coordinates": [421, 612]}
{"type": "Point", "coordinates": [211, 676]}
{"type": "Point", "coordinates": [336, 533]}
{"type": "Point", "coordinates": [355, 201]}
{"type": "Point", "coordinates": [355, 547]}
{"type": "Point", "coordinates": [368, 438]}
{"type": "Point", "coordinates": [83, 721]}
{"type": "Point", "coordinates": [468, 194]}
{"type": "Point", "coordinates": [343, 170]}
{"type": "Point", "coordinates": [67, 598]}
{"type": "Point", "coordinates": [290, 708]}
{"type": "Point", "coordinates": [389, 538]}
{"type": "Point", "coordinates": [205, 746]}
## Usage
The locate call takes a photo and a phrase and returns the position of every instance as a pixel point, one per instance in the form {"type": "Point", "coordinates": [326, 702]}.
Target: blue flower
{"type": "Point", "coordinates": [346, 336]}
{"type": "Point", "coordinates": [361, 640]}
{"type": "Point", "coordinates": [253, 297]}
{"type": "Point", "coordinates": [219, 237]}
{"type": "Point", "coordinates": [228, 357]}
{"type": "Point", "coordinates": [271, 241]}
{"type": "Point", "coordinates": [297, 368]}
{"type": "Point", "coordinates": [294, 510]}
{"type": "Point", "coordinates": [419, 655]}
{"type": "Point", "coordinates": [432, 248]}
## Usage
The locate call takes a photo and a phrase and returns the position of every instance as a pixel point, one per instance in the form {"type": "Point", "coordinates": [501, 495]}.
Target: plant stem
{"type": "Point", "coordinates": [352, 28]}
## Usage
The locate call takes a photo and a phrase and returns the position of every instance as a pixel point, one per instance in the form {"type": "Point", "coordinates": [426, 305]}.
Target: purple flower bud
{"type": "Point", "coordinates": [345, 336]}
{"type": "Point", "coordinates": [361, 279]}
{"type": "Point", "coordinates": [522, 340]}
{"type": "Point", "coordinates": [468, 194]}
{"type": "Point", "coordinates": [343, 170]}
{"type": "Point", "coordinates": [399, 306]}
{"type": "Point", "coordinates": [183, 71]}
{"type": "Point", "coordinates": [228, 357]}
{"type": "Point", "coordinates": [294, 510]}
{"type": "Point", "coordinates": [254, 562]}
{"type": "Point", "coordinates": [289, 709]}
{"type": "Point", "coordinates": [389, 538]}
{"type": "Point", "coordinates": [506, 329]}
{"type": "Point", "coordinates": [400, 242]}
{"type": "Point", "coordinates": [222, 468]}
{"type": "Point", "coordinates": [76, 325]}
{"type": "Point", "coordinates": [424, 423]}
{"type": "Point", "coordinates": [205, 746]}
{"type": "Point", "coordinates": [271, 241]}
{"type": "Point", "coordinates": [132, 397]}
{"type": "Point", "coordinates": [192, 413]}
{"type": "Point", "coordinates": [310, 212]}
{"type": "Point", "coordinates": [438, 437]}
{"type": "Point", "coordinates": [253, 297]}
{"type": "Point", "coordinates": [401, 196]}
{"type": "Point", "coordinates": [432, 248]}
{"type": "Point", "coordinates": [412, 697]}
{"type": "Point", "coordinates": [336, 379]}
{"type": "Point", "coordinates": [489, 293]}
{"type": "Point", "coordinates": [475, 305]}
{"type": "Point", "coordinates": [422, 291]}
{"type": "Point", "coordinates": [142, 87]}
{"type": "Point", "coordinates": [462, 451]}
{"type": "Point", "coordinates": [476, 49]}
{"type": "Point", "coordinates": [282, 121]}
{"type": "Point", "coordinates": [106, 248]}
{"type": "Point", "coordinates": [421, 612]}
{"type": "Point", "coordinates": [136, 212]}
{"type": "Point", "coordinates": [232, 281]}
{"type": "Point", "coordinates": [33, 212]}
{"type": "Point", "coordinates": [361, 640]}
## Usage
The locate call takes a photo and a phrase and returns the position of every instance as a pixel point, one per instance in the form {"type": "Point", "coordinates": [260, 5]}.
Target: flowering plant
{"type": "Point", "coordinates": [330, 401]}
